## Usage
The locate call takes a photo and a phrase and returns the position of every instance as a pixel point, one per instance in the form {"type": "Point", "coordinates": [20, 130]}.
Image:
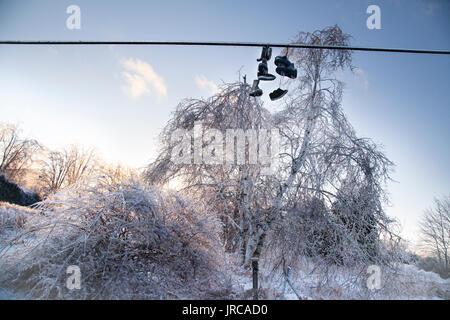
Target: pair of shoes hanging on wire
{"type": "Point", "coordinates": [263, 72]}
{"type": "Point", "coordinates": [277, 94]}
{"type": "Point", "coordinates": [284, 68]}
{"type": "Point", "coordinates": [263, 69]}
{"type": "Point", "coordinates": [256, 90]}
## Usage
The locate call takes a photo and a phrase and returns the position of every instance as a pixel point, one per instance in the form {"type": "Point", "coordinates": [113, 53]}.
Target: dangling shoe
{"type": "Point", "coordinates": [266, 54]}
{"type": "Point", "coordinates": [281, 71]}
{"type": "Point", "coordinates": [285, 67]}
{"type": "Point", "coordinates": [277, 94]}
{"type": "Point", "coordinates": [263, 73]}
{"type": "Point", "coordinates": [282, 61]}
{"type": "Point", "coordinates": [256, 91]}
{"type": "Point", "coordinates": [289, 72]}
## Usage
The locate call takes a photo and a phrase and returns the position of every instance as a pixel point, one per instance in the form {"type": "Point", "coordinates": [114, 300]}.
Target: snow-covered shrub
{"type": "Point", "coordinates": [329, 248]}
{"type": "Point", "coordinates": [314, 280]}
{"type": "Point", "coordinates": [13, 217]}
{"type": "Point", "coordinates": [412, 283]}
{"type": "Point", "coordinates": [130, 241]}
{"type": "Point", "coordinates": [310, 229]}
{"type": "Point", "coordinates": [434, 265]}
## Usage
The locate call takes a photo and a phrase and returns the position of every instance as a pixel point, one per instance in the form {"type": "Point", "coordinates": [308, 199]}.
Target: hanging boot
{"type": "Point", "coordinates": [263, 73]}
{"type": "Point", "coordinates": [277, 94]}
{"type": "Point", "coordinates": [282, 61]}
{"type": "Point", "coordinates": [255, 91]}
{"type": "Point", "coordinates": [285, 67]}
{"type": "Point", "coordinates": [266, 54]}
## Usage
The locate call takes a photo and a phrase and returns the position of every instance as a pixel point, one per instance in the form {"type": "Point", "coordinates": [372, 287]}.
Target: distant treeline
{"type": "Point", "coordinates": [12, 193]}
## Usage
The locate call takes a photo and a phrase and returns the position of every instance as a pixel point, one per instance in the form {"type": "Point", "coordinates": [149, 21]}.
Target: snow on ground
{"type": "Point", "coordinates": [406, 282]}
{"type": "Point", "coordinates": [310, 282]}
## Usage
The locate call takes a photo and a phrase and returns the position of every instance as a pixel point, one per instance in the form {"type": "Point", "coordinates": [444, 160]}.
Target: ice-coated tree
{"type": "Point", "coordinates": [62, 168]}
{"type": "Point", "coordinates": [16, 152]}
{"type": "Point", "coordinates": [229, 188]}
{"type": "Point", "coordinates": [435, 233]}
{"type": "Point", "coordinates": [320, 157]}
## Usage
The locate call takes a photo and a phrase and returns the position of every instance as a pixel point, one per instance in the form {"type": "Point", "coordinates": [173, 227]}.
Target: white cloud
{"type": "Point", "coordinates": [362, 78]}
{"type": "Point", "coordinates": [203, 83]}
{"type": "Point", "coordinates": [141, 79]}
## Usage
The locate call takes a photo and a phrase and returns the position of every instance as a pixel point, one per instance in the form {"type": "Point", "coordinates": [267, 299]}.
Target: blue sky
{"type": "Point", "coordinates": [118, 98]}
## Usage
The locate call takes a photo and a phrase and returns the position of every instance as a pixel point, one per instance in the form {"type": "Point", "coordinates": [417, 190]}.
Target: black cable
{"type": "Point", "coordinates": [215, 43]}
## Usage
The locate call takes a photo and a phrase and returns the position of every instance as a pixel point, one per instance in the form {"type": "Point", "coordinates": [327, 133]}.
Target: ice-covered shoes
{"type": "Point", "coordinates": [256, 90]}
{"type": "Point", "coordinates": [285, 67]}
{"type": "Point", "coordinates": [266, 54]}
{"type": "Point", "coordinates": [263, 72]}
{"type": "Point", "coordinates": [277, 94]}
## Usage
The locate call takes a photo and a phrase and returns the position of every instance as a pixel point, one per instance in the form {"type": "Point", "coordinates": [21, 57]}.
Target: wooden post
{"type": "Point", "coordinates": [255, 278]}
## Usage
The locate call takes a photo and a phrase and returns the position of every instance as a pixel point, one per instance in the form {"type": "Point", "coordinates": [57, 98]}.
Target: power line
{"type": "Point", "coordinates": [216, 43]}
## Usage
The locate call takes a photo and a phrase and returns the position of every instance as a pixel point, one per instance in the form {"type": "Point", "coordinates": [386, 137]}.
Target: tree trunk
{"type": "Point", "coordinates": [256, 239]}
